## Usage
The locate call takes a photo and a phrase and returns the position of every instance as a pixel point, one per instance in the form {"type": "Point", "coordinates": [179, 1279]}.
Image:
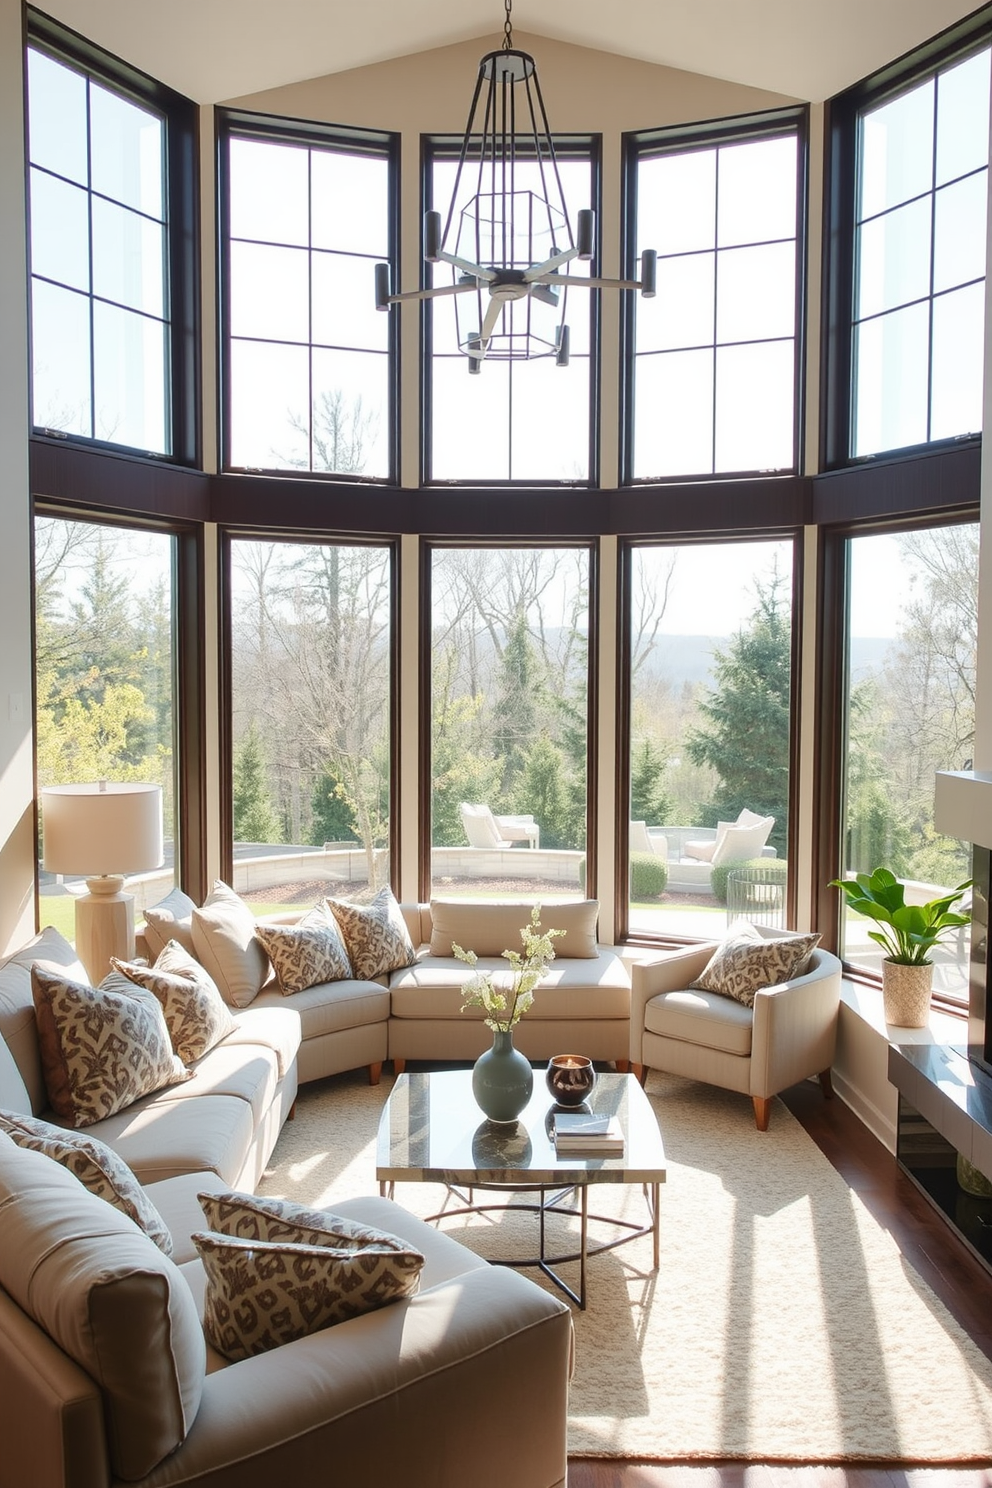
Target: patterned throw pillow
{"type": "Point", "coordinates": [375, 935]}
{"type": "Point", "coordinates": [309, 953]}
{"type": "Point", "coordinates": [97, 1167]}
{"type": "Point", "coordinates": [745, 962]}
{"type": "Point", "coordinates": [101, 1047]}
{"type": "Point", "coordinates": [196, 1015]}
{"type": "Point", "coordinates": [276, 1271]}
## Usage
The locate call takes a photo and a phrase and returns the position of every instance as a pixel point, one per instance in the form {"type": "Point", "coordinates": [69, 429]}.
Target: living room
{"type": "Point", "coordinates": [461, 504]}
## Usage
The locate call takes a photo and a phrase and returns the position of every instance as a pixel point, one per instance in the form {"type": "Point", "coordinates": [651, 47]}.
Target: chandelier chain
{"type": "Point", "coordinates": [507, 26]}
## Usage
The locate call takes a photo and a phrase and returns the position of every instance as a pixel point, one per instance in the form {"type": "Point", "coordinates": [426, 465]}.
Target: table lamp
{"type": "Point", "coordinates": [102, 831]}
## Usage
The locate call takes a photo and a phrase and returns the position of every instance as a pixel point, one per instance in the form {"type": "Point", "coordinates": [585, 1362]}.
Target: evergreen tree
{"type": "Point", "coordinates": [546, 788]}
{"type": "Point", "coordinates": [877, 833]}
{"type": "Point", "coordinates": [332, 817]}
{"type": "Point", "coordinates": [516, 711]}
{"type": "Point", "coordinates": [745, 733]}
{"type": "Point", "coordinates": [254, 818]}
{"type": "Point", "coordinates": [649, 800]}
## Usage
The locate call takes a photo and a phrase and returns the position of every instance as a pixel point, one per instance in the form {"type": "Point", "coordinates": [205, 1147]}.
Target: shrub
{"type": "Point", "coordinates": [648, 876]}
{"type": "Point", "coordinates": [775, 869]}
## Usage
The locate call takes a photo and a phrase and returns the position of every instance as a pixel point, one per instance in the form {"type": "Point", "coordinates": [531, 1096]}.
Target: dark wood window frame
{"type": "Point", "coordinates": [679, 139]}
{"type": "Point", "coordinates": [839, 199]}
{"type": "Point", "coordinates": [181, 118]}
{"type": "Point", "coordinates": [241, 124]}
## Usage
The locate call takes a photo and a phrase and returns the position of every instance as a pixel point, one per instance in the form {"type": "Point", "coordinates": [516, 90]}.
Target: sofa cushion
{"type": "Point", "coordinates": [271, 1022]}
{"type": "Point", "coordinates": [306, 954]}
{"type": "Point", "coordinates": [746, 961]}
{"type": "Point", "coordinates": [570, 990]}
{"type": "Point", "coordinates": [331, 1006]}
{"type": "Point", "coordinates": [224, 940]}
{"type": "Point", "coordinates": [170, 919]}
{"type": "Point", "coordinates": [196, 1015]}
{"type": "Point", "coordinates": [110, 1299]}
{"type": "Point", "coordinates": [491, 929]}
{"type": "Point", "coordinates": [277, 1271]}
{"type": "Point", "coordinates": [101, 1047]}
{"type": "Point", "coordinates": [706, 1018]}
{"type": "Point", "coordinates": [17, 1020]}
{"type": "Point", "coordinates": [96, 1166]}
{"type": "Point", "coordinates": [375, 935]}
{"type": "Point", "coordinates": [160, 1137]}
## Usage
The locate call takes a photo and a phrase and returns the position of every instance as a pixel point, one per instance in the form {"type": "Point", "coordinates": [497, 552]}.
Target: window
{"type": "Point", "coordinates": [311, 654]}
{"type": "Point", "coordinates": [308, 363]}
{"type": "Point", "coordinates": [509, 721]}
{"type": "Point", "coordinates": [113, 334]}
{"type": "Point", "coordinates": [912, 631]}
{"type": "Point", "coordinates": [710, 666]}
{"type": "Point", "coordinates": [715, 353]}
{"type": "Point", "coordinates": [105, 647]}
{"type": "Point", "coordinates": [919, 301]}
{"type": "Point", "coordinates": [527, 420]}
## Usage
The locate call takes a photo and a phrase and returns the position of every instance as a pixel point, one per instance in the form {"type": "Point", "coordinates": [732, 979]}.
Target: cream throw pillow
{"type": "Point", "coordinates": [224, 940]}
{"type": "Point", "coordinates": [170, 919]}
{"type": "Point", "coordinates": [306, 954]}
{"type": "Point", "coordinates": [196, 1015]}
{"type": "Point", "coordinates": [375, 935]}
{"type": "Point", "coordinates": [277, 1271]}
{"type": "Point", "coordinates": [101, 1047]}
{"type": "Point", "coordinates": [745, 962]}
{"type": "Point", "coordinates": [97, 1167]}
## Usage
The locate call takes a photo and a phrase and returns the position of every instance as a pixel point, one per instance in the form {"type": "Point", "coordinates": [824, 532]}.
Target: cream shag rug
{"type": "Point", "coordinates": [783, 1323]}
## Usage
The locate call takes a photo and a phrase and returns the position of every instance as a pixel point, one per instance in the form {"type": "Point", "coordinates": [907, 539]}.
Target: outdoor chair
{"type": "Point", "coordinates": [643, 841]}
{"type": "Point", "coordinates": [485, 830]}
{"type": "Point", "coordinates": [735, 842]}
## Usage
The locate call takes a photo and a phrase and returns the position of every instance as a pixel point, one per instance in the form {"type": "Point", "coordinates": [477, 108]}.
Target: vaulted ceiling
{"type": "Point", "coordinates": [213, 50]}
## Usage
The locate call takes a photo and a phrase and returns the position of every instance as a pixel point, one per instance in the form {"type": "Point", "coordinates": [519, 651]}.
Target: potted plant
{"type": "Point", "coordinates": [907, 934]}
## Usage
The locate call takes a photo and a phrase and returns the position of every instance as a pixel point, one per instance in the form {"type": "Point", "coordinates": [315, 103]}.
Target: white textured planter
{"type": "Point", "coordinates": [906, 994]}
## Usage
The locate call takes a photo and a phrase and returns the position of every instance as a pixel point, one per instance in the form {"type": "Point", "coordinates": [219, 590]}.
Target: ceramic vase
{"type": "Point", "coordinates": [502, 1080]}
{"type": "Point", "coordinates": [906, 993]}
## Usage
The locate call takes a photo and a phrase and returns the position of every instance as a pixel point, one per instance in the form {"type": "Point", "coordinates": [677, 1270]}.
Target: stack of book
{"type": "Point", "coordinates": [579, 1134]}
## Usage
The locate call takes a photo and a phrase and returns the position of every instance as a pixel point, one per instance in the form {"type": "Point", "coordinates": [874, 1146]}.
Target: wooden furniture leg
{"type": "Point", "coordinates": [762, 1110]}
{"type": "Point", "coordinates": [375, 1070]}
{"type": "Point", "coordinates": [399, 1065]}
{"type": "Point", "coordinates": [826, 1084]}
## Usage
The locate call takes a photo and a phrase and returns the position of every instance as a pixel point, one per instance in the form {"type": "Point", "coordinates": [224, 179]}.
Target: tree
{"type": "Point", "coordinates": [649, 798]}
{"type": "Point", "coordinates": [876, 833]}
{"type": "Point", "coordinates": [745, 732]}
{"type": "Point", "coordinates": [331, 815]}
{"type": "Point", "coordinates": [254, 818]}
{"type": "Point", "coordinates": [516, 709]}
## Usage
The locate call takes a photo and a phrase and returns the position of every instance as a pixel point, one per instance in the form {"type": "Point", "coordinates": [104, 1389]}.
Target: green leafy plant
{"type": "Point", "coordinates": [648, 876]}
{"type": "Point", "coordinates": [504, 1006]}
{"type": "Point", "coordinates": [908, 932]}
{"type": "Point", "coordinates": [774, 870]}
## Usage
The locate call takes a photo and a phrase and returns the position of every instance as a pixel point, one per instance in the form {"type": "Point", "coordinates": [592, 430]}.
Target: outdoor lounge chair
{"type": "Point", "coordinates": [483, 829]}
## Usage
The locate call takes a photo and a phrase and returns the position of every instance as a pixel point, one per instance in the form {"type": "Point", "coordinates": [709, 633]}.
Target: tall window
{"type": "Point", "coordinates": [105, 646]}
{"type": "Point", "coordinates": [509, 721]}
{"type": "Point", "coordinates": [912, 631]}
{"type": "Point", "coordinates": [308, 366]}
{"type": "Point", "coordinates": [919, 304]}
{"type": "Point", "coordinates": [311, 638]}
{"type": "Point", "coordinates": [710, 647]}
{"type": "Point", "coordinates": [522, 420]}
{"type": "Point", "coordinates": [715, 352]}
{"type": "Point", "coordinates": [101, 320]}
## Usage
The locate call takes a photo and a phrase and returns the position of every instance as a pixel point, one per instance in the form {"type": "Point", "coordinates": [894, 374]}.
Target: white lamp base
{"type": "Point", "coordinates": [104, 925]}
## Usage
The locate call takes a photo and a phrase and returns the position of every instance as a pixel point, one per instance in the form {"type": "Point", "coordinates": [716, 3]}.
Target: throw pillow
{"type": "Point", "coordinates": [306, 954]}
{"type": "Point", "coordinates": [101, 1047]}
{"type": "Point", "coordinates": [196, 1015]}
{"type": "Point", "coordinates": [224, 940]}
{"type": "Point", "coordinates": [170, 919]}
{"type": "Point", "coordinates": [375, 935]}
{"type": "Point", "coordinates": [97, 1167]}
{"type": "Point", "coordinates": [276, 1272]}
{"type": "Point", "coordinates": [745, 962]}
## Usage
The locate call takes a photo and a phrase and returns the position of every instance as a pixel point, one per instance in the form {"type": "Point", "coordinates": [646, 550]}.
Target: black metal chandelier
{"type": "Point", "coordinates": [509, 240]}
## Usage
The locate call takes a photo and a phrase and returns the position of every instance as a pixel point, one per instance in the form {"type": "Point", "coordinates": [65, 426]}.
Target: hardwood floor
{"type": "Point", "coordinates": [958, 1278]}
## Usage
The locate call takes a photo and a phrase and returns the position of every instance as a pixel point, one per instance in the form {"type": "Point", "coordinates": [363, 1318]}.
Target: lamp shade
{"type": "Point", "coordinates": [102, 828]}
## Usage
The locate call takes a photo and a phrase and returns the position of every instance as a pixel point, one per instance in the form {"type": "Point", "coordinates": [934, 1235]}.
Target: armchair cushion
{"type": "Point", "coordinates": [196, 1015]}
{"type": "Point", "coordinates": [307, 954]}
{"type": "Point", "coordinates": [277, 1271]}
{"type": "Point", "coordinates": [745, 962]}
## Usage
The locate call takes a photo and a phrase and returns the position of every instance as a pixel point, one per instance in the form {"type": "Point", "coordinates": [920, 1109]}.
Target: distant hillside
{"type": "Point", "coordinates": [687, 659]}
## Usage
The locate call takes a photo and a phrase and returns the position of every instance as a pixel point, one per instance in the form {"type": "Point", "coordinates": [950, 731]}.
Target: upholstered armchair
{"type": "Point", "coordinates": [789, 1034]}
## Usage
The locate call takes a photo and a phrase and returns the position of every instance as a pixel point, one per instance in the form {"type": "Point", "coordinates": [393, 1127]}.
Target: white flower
{"type": "Point", "coordinates": [505, 1004]}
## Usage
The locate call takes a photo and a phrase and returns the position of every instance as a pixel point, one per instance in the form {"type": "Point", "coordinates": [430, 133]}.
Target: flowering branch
{"type": "Point", "coordinates": [504, 1006]}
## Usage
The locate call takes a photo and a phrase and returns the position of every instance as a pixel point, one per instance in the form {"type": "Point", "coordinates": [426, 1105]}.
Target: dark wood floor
{"type": "Point", "coordinates": [959, 1280]}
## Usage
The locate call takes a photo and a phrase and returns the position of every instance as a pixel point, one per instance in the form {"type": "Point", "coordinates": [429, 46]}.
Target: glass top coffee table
{"type": "Point", "coordinates": [432, 1131]}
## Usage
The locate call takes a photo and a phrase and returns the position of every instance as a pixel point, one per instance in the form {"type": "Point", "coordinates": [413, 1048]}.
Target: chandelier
{"type": "Point", "coordinates": [507, 235]}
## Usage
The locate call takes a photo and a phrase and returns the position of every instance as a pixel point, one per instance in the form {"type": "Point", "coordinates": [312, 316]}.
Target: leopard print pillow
{"type": "Point", "coordinates": [745, 962]}
{"type": "Point", "coordinates": [309, 953]}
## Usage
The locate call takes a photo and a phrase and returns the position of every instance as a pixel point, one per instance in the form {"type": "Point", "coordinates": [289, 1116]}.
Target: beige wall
{"type": "Point", "coordinates": [16, 760]}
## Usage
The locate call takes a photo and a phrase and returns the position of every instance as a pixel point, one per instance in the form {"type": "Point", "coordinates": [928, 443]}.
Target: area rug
{"type": "Point", "coordinates": [782, 1325]}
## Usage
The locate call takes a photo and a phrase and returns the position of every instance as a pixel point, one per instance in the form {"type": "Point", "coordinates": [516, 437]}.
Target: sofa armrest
{"type": "Point", "coordinates": [419, 1382]}
{"type": "Point", "coordinates": [669, 972]}
{"type": "Point", "coordinates": [795, 1027]}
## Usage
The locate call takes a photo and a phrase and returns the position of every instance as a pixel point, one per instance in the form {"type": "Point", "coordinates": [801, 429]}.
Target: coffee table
{"type": "Point", "coordinates": [432, 1131]}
